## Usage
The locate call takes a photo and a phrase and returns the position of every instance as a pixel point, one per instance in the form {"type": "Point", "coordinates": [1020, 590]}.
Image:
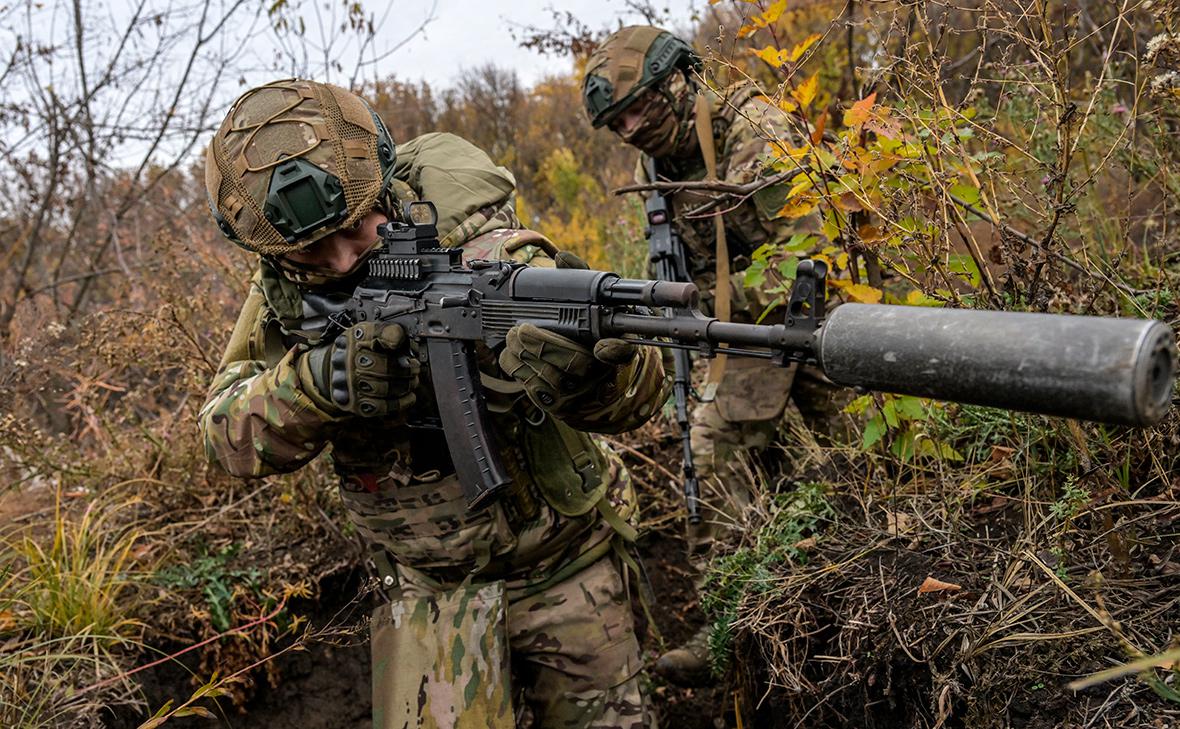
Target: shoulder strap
{"type": "Point", "coordinates": [721, 298]}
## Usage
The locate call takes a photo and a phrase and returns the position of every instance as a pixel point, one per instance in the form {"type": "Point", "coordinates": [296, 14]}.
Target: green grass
{"type": "Point", "coordinates": [750, 569]}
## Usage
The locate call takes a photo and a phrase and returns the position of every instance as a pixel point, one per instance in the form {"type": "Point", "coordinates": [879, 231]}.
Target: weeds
{"type": "Point", "coordinates": [777, 545]}
{"type": "Point", "coordinates": [67, 601]}
{"type": "Point", "coordinates": [218, 583]}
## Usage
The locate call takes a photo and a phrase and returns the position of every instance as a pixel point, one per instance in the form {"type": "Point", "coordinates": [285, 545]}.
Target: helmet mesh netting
{"type": "Point", "coordinates": [252, 227]}
{"type": "Point", "coordinates": [359, 194]}
{"type": "Point", "coordinates": [262, 237]}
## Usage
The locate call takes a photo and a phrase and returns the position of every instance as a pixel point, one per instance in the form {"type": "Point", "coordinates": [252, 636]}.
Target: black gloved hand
{"type": "Point", "coordinates": [368, 370]}
{"type": "Point", "coordinates": [554, 369]}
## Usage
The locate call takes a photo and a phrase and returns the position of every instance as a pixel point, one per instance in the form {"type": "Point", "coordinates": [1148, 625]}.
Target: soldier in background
{"type": "Point", "coordinates": [639, 84]}
{"type": "Point", "coordinates": [529, 589]}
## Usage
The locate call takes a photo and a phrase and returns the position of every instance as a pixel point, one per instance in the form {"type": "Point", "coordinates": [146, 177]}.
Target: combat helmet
{"type": "Point", "coordinates": [631, 60]}
{"type": "Point", "coordinates": [295, 161]}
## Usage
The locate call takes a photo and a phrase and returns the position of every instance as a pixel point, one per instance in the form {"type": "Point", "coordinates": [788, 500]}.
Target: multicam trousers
{"type": "Point", "coordinates": [745, 418]}
{"type": "Point", "coordinates": [574, 658]}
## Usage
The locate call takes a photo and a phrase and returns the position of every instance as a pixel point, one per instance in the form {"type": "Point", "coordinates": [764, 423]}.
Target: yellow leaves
{"type": "Point", "coordinates": [917, 298]}
{"type": "Point", "coordinates": [802, 184]}
{"type": "Point", "coordinates": [768, 18]}
{"type": "Point", "coordinates": [805, 92]}
{"type": "Point", "coordinates": [774, 12]}
{"type": "Point", "coordinates": [862, 293]}
{"type": "Point", "coordinates": [797, 203]}
{"type": "Point", "coordinates": [797, 208]}
{"type": "Point", "coordinates": [860, 111]}
{"type": "Point", "coordinates": [773, 56]}
{"type": "Point", "coordinates": [801, 47]}
{"type": "Point", "coordinates": [777, 58]}
{"type": "Point", "coordinates": [786, 151]}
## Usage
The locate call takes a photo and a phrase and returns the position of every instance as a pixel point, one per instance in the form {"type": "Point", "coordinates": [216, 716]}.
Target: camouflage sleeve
{"type": "Point", "coordinates": [746, 147]}
{"type": "Point", "coordinates": [258, 420]}
{"type": "Point", "coordinates": [626, 401]}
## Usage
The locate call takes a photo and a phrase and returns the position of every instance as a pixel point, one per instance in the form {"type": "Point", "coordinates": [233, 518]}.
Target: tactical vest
{"type": "Point", "coordinates": [745, 225]}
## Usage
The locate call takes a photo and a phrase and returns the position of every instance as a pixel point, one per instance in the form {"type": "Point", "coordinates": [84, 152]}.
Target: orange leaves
{"type": "Point", "coordinates": [766, 19]}
{"type": "Point", "coordinates": [859, 113]}
{"type": "Point", "coordinates": [932, 585]}
{"type": "Point", "coordinates": [877, 119]}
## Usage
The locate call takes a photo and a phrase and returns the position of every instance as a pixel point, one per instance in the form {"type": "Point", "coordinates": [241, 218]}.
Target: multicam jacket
{"type": "Point", "coordinates": [744, 124]}
{"type": "Point", "coordinates": [396, 480]}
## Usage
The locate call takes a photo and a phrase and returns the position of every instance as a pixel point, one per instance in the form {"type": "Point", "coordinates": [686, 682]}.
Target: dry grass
{"type": "Point", "coordinates": [1045, 573]}
{"type": "Point", "coordinates": [67, 604]}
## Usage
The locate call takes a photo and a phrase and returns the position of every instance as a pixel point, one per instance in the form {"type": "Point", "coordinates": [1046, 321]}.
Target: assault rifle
{"type": "Point", "coordinates": [670, 263]}
{"type": "Point", "coordinates": [1101, 369]}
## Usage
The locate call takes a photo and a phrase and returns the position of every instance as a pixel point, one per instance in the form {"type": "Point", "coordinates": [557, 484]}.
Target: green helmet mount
{"type": "Point", "coordinates": [628, 62]}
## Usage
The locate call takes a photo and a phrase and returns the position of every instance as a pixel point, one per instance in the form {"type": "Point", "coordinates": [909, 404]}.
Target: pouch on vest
{"type": "Point", "coordinates": [566, 465]}
{"type": "Point", "coordinates": [441, 661]}
{"type": "Point", "coordinates": [754, 390]}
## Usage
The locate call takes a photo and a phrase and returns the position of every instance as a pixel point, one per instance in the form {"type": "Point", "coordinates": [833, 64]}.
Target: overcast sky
{"type": "Point", "coordinates": [470, 33]}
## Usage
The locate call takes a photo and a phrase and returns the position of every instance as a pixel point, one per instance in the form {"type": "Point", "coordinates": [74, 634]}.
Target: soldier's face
{"type": "Point", "coordinates": [340, 251]}
{"type": "Point", "coordinates": [628, 120]}
{"type": "Point", "coordinates": [649, 124]}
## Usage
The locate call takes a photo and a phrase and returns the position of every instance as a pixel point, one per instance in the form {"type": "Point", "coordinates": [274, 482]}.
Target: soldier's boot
{"type": "Point", "coordinates": [688, 665]}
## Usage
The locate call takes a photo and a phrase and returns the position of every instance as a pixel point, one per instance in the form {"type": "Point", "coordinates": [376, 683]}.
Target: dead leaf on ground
{"type": "Point", "coordinates": [898, 523]}
{"type": "Point", "coordinates": [932, 585]}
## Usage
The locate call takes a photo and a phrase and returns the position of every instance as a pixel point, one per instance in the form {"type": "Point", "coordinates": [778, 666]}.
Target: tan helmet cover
{"type": "Point", "coordinates": [325, 125]}
{"type": "Point", "coordinates": [628, 62]}
{"type": "Point", "coordinates": [620, 58]}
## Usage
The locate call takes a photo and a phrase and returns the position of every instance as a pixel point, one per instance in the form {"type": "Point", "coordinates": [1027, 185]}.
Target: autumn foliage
{"type": "Point", "coordinates": [946, 567]}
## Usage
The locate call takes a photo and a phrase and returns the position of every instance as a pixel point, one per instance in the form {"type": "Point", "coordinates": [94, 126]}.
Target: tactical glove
{"type": "Point", "coordinates": [368, 370]}
{"type": "Point", "coordinates": [555, 370]}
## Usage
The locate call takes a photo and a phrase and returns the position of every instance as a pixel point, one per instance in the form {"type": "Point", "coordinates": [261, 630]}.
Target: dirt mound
{"type": "Point", "coordinates": [895, 594]}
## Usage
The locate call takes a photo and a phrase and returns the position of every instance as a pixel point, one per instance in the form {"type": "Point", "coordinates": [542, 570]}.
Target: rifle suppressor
{"type": "Point", "coordinates": [1092, 368]}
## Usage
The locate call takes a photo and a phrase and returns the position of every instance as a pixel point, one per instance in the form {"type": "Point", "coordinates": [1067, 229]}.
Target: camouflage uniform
{"type": "Point", "coordinates": [643, 73]}
{"type": "Point", "coordinates": [746, 415]}
{"type": "Point", "coordinates": [528, 588]}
